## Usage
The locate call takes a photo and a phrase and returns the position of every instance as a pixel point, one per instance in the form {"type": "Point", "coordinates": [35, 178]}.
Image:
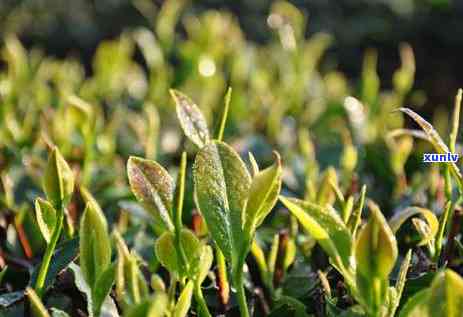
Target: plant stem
{"type": "Point", "coordinates": [203, 311]}
{"type": "Point", "coordinates": [40, 283]}
{"type": "Point", "coordinates": [241, 294]}
{"type": "Point", "coordinates": [239, 285]}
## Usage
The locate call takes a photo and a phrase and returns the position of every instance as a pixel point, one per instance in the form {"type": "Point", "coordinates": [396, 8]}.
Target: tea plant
{"type": "Point", "coordinates": [293, 195]}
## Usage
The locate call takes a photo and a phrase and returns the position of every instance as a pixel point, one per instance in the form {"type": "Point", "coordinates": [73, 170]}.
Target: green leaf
{"type": "Point", "coordinates": [263, 195]}
{"type": "Point", "coordinates": [222, 185]}
{"type": "Point", "coordinates": [446, 297]}
{"type": "Point", "coordinates": [184, 301]}
{"type": "Point", "coordinates": [416, 305]}
{"type": "Point", "coordinates": [46, 217]}
{"type": "Point", "coordinates": [170, 258]}
{"type": "Point", "coordinates": [191, 119]}
{"type": "Point", "coordinates": [152, 186]}
{"type": "Point", "coordinates": [325, 226]}
{"type": "Point", "coordinates": [435, 140]}
{"type": "Point", "coordinates": [37, 307]}
{"type": "Point", "coordinates": [58, 181]}
{"type": "Point", "coordinates": [103, 286]}
{"type": "Point", "coordinates": [376, 246]}
{"type": "Point", "coordinates": [108, 309]}
{"type": "Point", "coordinates": [151, 307]}
{"type": "Point", "coordinates": [431, 219]}
{"type": "Point", "coordinates": [95, 245]}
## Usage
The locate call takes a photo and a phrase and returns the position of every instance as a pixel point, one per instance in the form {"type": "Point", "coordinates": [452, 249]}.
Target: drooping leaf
{"type": "Point", "coordinates": [46, 217]}
{"type": "Point", "coordinates": [95, 245]}
{"type": "Point", "coordinates": [58, 180]}
{"type": "Point", "coordinates": [184, 301]}
{"type": "Point", "coordinates": [263, 194]}
{"type": "Point", "coordinates": [222, 186]}
{"type": "Point", "coordinates": [325, 226]}
{"type": "Point", "coordinates": [376, 246]}
{"type": "Point", "coordinates": [152, 186]}
{"type": "Point", "coordinates": [431, 219]}
{"type": "Point", "coordinates": [191, 119]}
{"type": "Point", "coordinates": [435, 140]}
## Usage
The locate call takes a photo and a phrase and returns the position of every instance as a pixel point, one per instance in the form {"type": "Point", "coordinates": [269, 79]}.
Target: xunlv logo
{"type": "Point", "coordinates": [441, 158]}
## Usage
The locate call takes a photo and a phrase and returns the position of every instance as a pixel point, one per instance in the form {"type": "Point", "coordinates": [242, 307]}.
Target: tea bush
{"type": "Point", "coordinates": [253, 188]}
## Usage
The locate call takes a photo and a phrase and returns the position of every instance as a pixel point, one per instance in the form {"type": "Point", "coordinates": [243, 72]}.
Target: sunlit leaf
{"type": "Point", "coordinates": [184, 301]}
{"type": "Point", "coordinates": [431, 219]}
{"type": "Point", "coordinates": [95, 245]}
{"type": "Point", "coordinates": [58, 180]}
{"type": "Point", "coordinates": [152, 186]}
{"type": "Point", "coordinates": [222, 186]}
{"type": "Point", "coordinates": [191, 119]}
{"type": "Point", "coordinates": [263, 194]}
{"type": "Point", "coordinates": [46, 217]}
{"type": "Point", "coordinates": [376, 246]}
{"type": "Point", "coordinates": [325, 226]}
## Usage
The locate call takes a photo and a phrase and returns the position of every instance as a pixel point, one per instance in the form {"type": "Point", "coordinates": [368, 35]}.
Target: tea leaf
{"type": "Point", "coordinates": [443, 298]}
{"type": "Point", "coordinates": [435, 140]}
{"type": "Point", "coordinates": [431, 219]}
{"type": "Point", "coordinates": [152, 186]}
{"type": "Point", "coordinates": [167, 253]}
{"type": "Point", "coordinates": [263, 195]}
{"type": "Point", "coordinates": [151, 307]}
{"type": "Point", "coordinates": [46, 217]}
{"type": "Point", "coordinates": [191, 119]}
{"type": "Point", "coordinates": [58, 180]}
{"type": "Point", "coordinates": [325, 226]}
{"type": "Point", "coordinates": [400, 283]}
{"type": "Point", "coordinates": [222, 186]}
{"type": "Point", "coordinates": [103, 286]}
{"type": "Point", "coordinates": [95, 245]}
{"type": "Point", "coordinates": [376, 246]}
{"type": "Point", "coordinates": [205, 263]}
{"type": "Point", "coordinates": [184, 301]}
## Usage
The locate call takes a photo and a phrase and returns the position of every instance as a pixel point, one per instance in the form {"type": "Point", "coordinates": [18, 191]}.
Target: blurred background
{"type": "Point", "coordinates": [434, 28]}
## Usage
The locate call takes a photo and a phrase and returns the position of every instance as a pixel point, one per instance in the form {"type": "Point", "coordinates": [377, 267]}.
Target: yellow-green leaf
{"type": "Point", "coordinates": [376, 246]}
{"type": "Point", "coordinates": [184, 301]}
{"type": "Point", "coordinates": [58, 180]}
{"type": "Point", "coordinates": [263, 195]}
{"type": "Point", "coordinates": [152, 186]}
{"type": "Point", "coordinates": [37, 307]}
{"type": "Point", "coordinates": [324, 225]}
{"type": "Point", "coordinates": [46, 217]}
{"type": "Point", "coordinates": [431, 219]}
{"type": "Point", "coordinates": [95, 245]}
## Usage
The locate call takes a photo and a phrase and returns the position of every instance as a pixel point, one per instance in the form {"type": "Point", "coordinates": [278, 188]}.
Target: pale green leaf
{"type": "Point", "coordinates": [222, 185]}
{"type": "Point", "coordinates": [46, 217]}
{"type": "Point", "coordinates": [376, 246]}
{"type": "Point", "coordinates": [95, 245]}
{"type": "Point", "coordinates": [263, 195]}
{"type": "Point", "coordinates": [191, 119]}
{"type": "Point", "coordinates": [58, 181]}
{"type": "Point", "coordinates": [152, 186]}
